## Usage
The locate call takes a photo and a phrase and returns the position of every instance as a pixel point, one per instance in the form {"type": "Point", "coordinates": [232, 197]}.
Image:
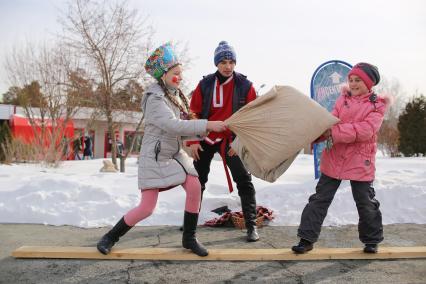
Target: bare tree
{"type": "Point", "coordinates": [42, 74]}
{"type": "Point", "coordinates": [399, 97]}
{"type": "Point", "coordinates": [112, 42]}
{"type": "Point", "coordinates": [389, 135]}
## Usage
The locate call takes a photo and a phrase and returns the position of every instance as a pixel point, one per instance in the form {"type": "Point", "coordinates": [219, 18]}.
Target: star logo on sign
{"type": "Point", "coordinates": [335, 77]}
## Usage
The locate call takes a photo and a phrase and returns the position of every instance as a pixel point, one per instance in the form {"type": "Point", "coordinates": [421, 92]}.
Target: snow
{"type": "Point", "coordinates": [78, 194]}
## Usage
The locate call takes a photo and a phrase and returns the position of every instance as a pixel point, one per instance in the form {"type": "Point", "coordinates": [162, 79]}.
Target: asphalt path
{"type": "Point", "coordinates": [14, 270]}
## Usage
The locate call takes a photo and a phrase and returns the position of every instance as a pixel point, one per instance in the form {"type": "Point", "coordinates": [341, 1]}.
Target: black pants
{"type": "Point", "coordinates": [370, 226]}
{"type": "Point", "coordinates": [239, 174]}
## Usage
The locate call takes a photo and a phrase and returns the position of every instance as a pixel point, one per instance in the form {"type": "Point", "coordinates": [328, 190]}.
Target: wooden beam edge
{"type": "Point", "coordinates": [217, 254]}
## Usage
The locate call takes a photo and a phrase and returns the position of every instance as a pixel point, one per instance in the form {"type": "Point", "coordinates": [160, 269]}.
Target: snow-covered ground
{"type": "Point", "coordinates": [78, 194]}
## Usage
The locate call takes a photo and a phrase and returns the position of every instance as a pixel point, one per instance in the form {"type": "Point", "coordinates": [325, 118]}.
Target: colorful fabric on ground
{"type": "Point", "coordinates": [225, 220]}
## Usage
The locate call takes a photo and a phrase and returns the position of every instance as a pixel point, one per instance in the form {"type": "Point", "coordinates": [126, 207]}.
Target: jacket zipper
{"type": "Point", "coordinates": [157, 149]}
{"type": "Point", "coordinates": [177, 159]}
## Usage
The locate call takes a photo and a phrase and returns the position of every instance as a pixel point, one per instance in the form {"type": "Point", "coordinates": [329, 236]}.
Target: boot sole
{"type": "Point", "coordinates": [300, 251]}
{"type": "Point", "coordinates": [186, 246]}
{"type": "Point", "coordinates": [206, 254]}
{"type": "Point", "coordinates": [370, 251]}
{"type": "Point", "coordinates": [252, 240]}
{"type": "Point", "coordinates": [105, 252]}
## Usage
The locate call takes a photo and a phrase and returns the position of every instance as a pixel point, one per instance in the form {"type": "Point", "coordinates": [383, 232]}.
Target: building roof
{"type": "Point", "coordinates": [83, 113]}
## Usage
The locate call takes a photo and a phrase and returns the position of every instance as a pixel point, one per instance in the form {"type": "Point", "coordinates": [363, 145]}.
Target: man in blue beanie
{"type": "Point", "coordinates": [217, 97]}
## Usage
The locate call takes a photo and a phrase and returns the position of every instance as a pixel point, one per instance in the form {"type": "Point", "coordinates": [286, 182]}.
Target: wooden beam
{"type": "Point", "coordinates": [216, 254]}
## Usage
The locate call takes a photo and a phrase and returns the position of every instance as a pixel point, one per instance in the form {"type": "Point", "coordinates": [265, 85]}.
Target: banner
{"type": "Point", "coordinates": [326, 83]}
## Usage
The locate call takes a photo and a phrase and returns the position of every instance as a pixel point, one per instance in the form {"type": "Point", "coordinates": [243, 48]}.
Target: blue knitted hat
{"type": "Point", "coordinates": [224, 51]}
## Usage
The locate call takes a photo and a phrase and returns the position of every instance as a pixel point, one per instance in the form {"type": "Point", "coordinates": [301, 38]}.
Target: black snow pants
{"type": "Point", "coordinates": [239, 174]}
{"type": "Point", "coordinates": [370, 226]}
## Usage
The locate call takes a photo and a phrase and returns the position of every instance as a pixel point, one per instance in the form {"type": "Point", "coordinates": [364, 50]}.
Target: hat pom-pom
{"type": "Point", "coordinates": [223, 42]}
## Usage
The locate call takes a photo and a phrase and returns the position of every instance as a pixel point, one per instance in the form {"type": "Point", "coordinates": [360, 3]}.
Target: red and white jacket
{"type": "Point", "coordinates": [221, 107]}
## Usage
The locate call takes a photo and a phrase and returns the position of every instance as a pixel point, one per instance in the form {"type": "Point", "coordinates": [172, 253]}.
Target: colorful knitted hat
{"type": "Point", "coordinates": [224, 51]}
{"type": "Point", "coordinates": [161, 60]}
{"type": "Point", "coordinates": [368, 73]}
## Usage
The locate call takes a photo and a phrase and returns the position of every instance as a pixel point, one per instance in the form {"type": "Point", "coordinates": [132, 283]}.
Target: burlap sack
{"type": "Point", "coordinates": [252, 166]}
{"type": "Point", "coordinates": [276, 126]}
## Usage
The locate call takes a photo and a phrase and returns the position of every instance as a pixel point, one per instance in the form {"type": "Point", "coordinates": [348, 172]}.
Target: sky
{"type": "Point", "coordinates": [277, 42]}
{"type": "Point", "coordinates": [78, 194]}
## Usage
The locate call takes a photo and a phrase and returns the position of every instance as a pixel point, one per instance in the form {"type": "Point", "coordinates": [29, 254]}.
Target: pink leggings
{"type": "Point", "coordinates": [149, 201]}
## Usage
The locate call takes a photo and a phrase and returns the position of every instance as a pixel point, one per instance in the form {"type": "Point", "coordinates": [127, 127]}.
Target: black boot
{"type": "Point", "coordinates": [109, 239]}
{"type": "Point", "coordinates": [189, 239]}
{"type": "Point", "coordinates": [303, 246]}
{"type": "Point", "coordinates": [248, 204]}
{"type": "Point", "coordinates": [370, 248]}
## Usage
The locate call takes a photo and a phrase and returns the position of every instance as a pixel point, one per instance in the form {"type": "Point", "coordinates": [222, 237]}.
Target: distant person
{"type": "Point", "coordinates": [77, 148]}
{"type": "Point", "coordinates": [163, 164]}
{"type": "Point", "coordinates": [87, 148]}
{"type": "Point", "coordinates": [66, 149]}
{"type": "Point", "coordinates": [351, 156]}
{"type": "Point", "coordinates": [217, 97]}
{"type": "Point", "coordinates": [120, 148]}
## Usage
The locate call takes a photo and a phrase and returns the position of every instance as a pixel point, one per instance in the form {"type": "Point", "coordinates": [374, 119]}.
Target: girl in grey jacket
{"type": "Point", "coordinates": [162, 162]}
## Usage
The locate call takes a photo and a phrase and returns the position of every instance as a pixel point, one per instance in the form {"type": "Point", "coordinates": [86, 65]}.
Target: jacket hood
{"type": "Point", "coordinates": [154, 88]}
{"type": "Point", "coordinates": [387, 99]}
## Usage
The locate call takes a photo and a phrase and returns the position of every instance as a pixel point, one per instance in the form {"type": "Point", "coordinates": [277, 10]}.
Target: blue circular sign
{"type": "Point", "coordinates": [326, 83]}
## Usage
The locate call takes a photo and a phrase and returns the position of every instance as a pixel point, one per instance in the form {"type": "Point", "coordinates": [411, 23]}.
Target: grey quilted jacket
{"type": "Point", "coordinates": [162, 161]}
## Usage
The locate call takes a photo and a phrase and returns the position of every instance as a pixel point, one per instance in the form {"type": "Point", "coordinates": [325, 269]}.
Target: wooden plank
{"type": "Point", "coordinates": [216, 254]}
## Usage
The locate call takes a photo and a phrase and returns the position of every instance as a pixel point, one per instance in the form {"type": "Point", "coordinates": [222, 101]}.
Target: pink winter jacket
{"type": "Point", "coordinates": [352, 156]}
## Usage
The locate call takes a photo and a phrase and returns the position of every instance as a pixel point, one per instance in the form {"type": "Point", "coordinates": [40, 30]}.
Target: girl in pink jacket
{"type": "Point", "coordinates": [351, 157]}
